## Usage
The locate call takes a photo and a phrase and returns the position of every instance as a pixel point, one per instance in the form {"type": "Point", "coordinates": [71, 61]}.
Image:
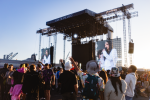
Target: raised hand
{"type": "Point", "coordinates": [74, 63]}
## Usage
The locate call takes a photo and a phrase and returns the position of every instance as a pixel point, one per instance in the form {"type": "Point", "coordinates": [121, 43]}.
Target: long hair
{"type": "Point", "coordinates": [114, 81]}
{"type": "Point", "coordinates": [110, 46]}
{"type": "Point", "coordinates": [104, 76]}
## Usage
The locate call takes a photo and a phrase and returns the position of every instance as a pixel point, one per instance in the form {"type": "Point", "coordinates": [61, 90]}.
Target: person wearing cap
{"type": "Point", "coordinates": [68, 82]}
{"type": "Point", "coordinates": [115, 87]}
{"type": "Point", "coordinates": [92, 69]}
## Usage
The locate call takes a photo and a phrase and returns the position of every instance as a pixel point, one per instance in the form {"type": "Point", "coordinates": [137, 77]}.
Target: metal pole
{"type": "Point", "coordinates": [49, 47]}
{"type": "Point", "coordinates": [125, 41]}
{"type": "Point", "coordinates": [40, 46]}
{"type": "Point", "coordinates": [64, 46]}
{"type": "Point", "coordinates": [129, 36]}
{"type": "Point", "coordinates": [55, 41]}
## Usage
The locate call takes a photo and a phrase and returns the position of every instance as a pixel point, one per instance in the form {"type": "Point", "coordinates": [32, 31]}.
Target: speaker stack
{"type": "Point", "coordinates": [131, 48]}
{"type": "Point", "coordinates": [82, 53]}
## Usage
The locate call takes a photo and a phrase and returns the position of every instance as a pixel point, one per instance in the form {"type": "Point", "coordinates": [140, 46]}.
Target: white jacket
{"type": "Point", "coordinates": [111, 59]}
{"type": "Point", "coordinates": [46, 60]}
{"type": "Point", "coordinates": [131, 82]}
{"type": "Point", "coordinates": [109, 92]}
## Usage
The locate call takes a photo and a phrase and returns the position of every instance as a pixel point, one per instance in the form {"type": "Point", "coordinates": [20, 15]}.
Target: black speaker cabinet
{"type": "Point", "coordinates": [131, 48]}
{"type": "Point", "coordinates": [51, 53]}
{"type": "Point", "coordinates": [82, 53]}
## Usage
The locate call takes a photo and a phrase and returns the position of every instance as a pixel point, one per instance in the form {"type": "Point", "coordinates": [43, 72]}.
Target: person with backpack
{"type": "Point", "coordinates": [31, 84]}
{"type": "Point", "coordinates": [68, 82]}
{"type": "Point", "coordinates": [115, 87]}
{"type": "Point", "coordinates": [48, 76]}
{"type": "Point", "coordinates": [91, 82]}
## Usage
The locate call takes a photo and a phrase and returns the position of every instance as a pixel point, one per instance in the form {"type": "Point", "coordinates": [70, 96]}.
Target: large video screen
{"type": "Point", "coordinates": [109, 53]}
{"type": "Point", "coordinates": [45, 56]}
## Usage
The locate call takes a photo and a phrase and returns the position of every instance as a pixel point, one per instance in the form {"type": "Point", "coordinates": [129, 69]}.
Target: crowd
{"type": "Point", "coordinates": [35, 82]}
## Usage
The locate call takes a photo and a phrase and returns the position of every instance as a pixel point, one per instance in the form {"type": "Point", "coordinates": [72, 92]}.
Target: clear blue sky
{"type": "Point", "coordinates": [20, 19]}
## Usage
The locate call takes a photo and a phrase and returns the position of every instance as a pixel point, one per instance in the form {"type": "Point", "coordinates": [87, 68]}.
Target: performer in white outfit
{"type": "Point", "coordinates": [108, 57]}
{"type": "Point", "coordinates": [46, 58]}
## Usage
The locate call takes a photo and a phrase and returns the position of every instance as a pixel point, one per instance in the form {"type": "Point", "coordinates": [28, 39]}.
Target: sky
{"type": "Point", "coordinates": [20, 19]}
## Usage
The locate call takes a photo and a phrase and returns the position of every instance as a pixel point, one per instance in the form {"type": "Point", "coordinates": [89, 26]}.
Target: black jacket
{"type": "Point", "coordinates": [31, 82]}
{"type": "Point", "coordinates": [2, 71]}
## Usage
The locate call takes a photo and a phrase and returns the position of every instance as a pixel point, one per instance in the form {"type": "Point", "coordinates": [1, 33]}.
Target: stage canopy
{"type": "Point", "coordinates": [82, 23]}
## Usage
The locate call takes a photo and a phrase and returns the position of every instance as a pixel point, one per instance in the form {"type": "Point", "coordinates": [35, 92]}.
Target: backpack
{"type": "Point", "coordinates": [90, 90]}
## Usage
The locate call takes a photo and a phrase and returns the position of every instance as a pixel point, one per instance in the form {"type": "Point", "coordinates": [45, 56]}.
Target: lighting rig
{"type": "Point", "coordinates": [103, 18]}
{"type": "Point", "coordinates": [76, 26]}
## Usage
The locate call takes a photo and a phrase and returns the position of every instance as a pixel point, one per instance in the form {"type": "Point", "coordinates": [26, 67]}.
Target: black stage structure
{"type": "Point", "coordinates": [82, 23]}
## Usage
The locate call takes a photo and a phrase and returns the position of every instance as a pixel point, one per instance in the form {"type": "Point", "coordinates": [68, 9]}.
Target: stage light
{"type": "Point", "coordinates": [75, 36]}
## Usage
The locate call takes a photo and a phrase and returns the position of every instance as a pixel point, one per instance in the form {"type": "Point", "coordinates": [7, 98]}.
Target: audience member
{"type": "Point", "coordinates": [91, 82]}
{"type": "Point", "coordinates": [56, 80]}
{"type": "Point", "coordinates": [131, 82]}
{"type": "Point", "coordinates": [115, 87]}
{"type": "Point", "coordinates": [68, 81]}
{"type": "Point", "coordinates": [146, 83]}
{"type": "Point", "coordinates": [47, 76]}
{"type": "Point", "coordinates": [18, 77]}
{"type": "Point", "coordinates": [42, 83]}
{"type": "Point", "coordinates": [31, 84]}
{"type": "Point", "coordinates": [60, 70]}
{"type": "Point", "coordinates": [103, 75]}
{"type": "Point", "coordinates": [122, 74]}
{"type": "Point", "coordinates": [62, 64]}
{"type": "Point", "coordinates": [8, 77]}
{"type": "Point", "coordinates": [3, 81]}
